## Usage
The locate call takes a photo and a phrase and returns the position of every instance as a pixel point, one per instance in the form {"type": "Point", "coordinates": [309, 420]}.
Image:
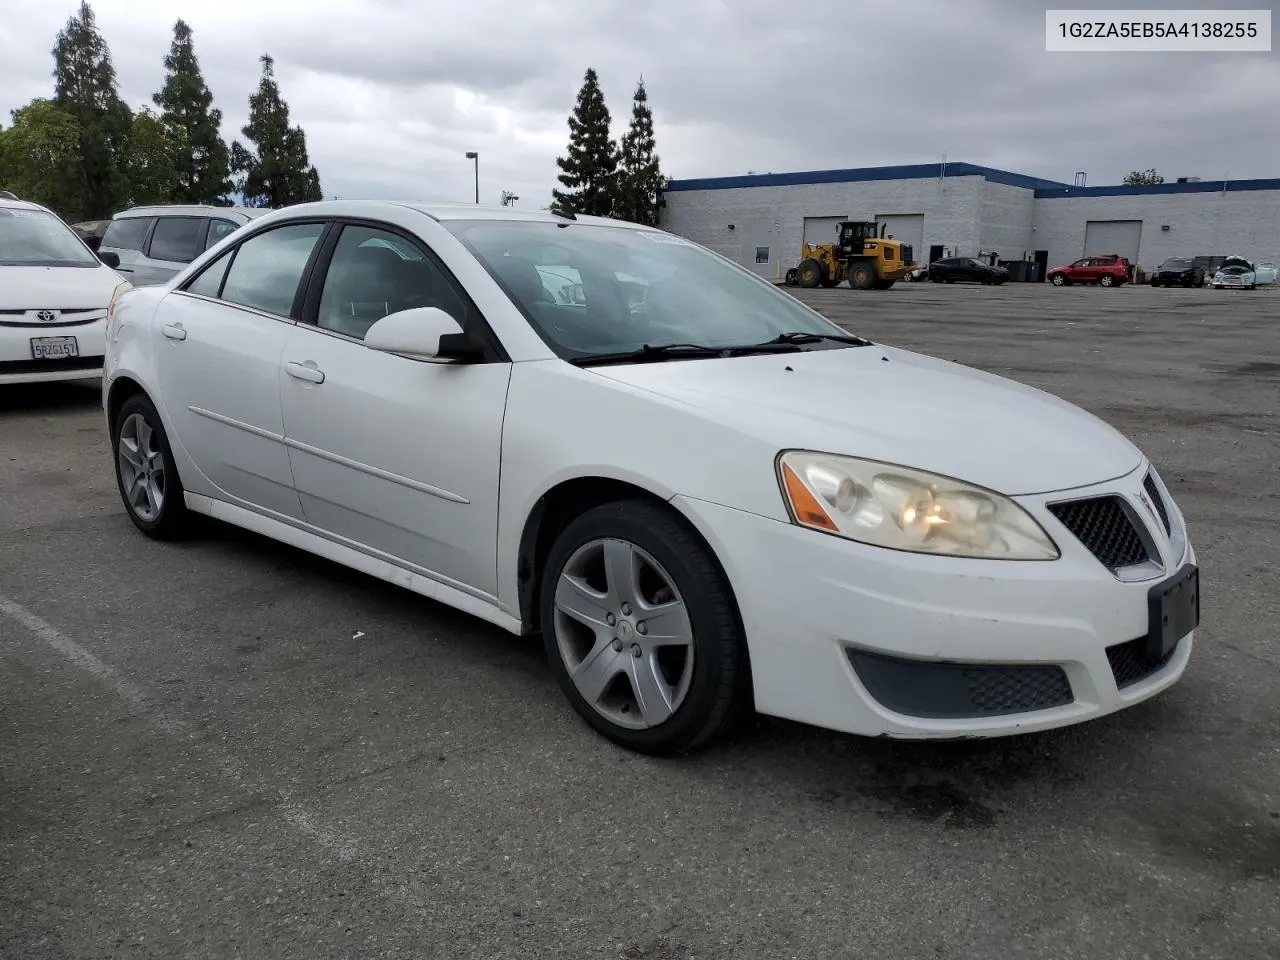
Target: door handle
{"type": "Point", "coordinates": [174, 331]}
{"type": "Point", "coordinates": [305, 371]}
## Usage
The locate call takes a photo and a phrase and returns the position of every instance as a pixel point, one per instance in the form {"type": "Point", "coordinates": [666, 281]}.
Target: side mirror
{"type": "Point", "coordinates": [423, 333]}
{"type": "Point", "coordinates": [110, 258]}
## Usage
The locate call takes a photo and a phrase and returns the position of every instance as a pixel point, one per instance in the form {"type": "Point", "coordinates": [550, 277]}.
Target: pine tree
{"type": "Point", "coordinates": [85, 90]}
{"type": "Point", "coordinates": [640, 179]}
{"type": "Point", "coordinates": [277, 172]}
{"type": "Point", "coordinates": [192, 124]}
{"type": "Point", "coordinates": [589, 170]}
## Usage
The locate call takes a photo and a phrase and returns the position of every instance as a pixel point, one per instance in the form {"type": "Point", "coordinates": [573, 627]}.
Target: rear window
{"type": "Point", "coordinates": [126, 233]}
{"type": "Point", "coordinates": [176, 239]}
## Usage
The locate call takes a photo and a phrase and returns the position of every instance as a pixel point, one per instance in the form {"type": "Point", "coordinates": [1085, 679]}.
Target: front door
{"type": "Point", "coordinates": [219, 344]}
{"type": "Point", "coordinates": [395, 455]}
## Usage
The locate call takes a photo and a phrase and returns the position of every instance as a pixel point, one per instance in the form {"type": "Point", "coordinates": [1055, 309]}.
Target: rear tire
{"type": "Point", "coordinates": [623, 689]}
{"type": "Point", "coordinates": [146, 475]}
{"type": "Point", "coordinates": [1106, 280]}
{"type": "Point", "coordinates": [809, 273]}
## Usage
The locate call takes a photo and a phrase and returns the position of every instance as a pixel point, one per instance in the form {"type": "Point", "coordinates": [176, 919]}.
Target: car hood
{"type": "Point", "coordinates": [892, 405]}
{"type": "Point", "coordinates": [57, 288]}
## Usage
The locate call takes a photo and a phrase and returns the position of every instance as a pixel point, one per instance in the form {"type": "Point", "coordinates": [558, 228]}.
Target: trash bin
{"type": "Point", "coordinates": [1033, 272]}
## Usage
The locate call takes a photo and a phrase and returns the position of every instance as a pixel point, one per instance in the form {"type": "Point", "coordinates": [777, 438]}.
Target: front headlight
{"type": "Point", "coordinates": [885, 505]}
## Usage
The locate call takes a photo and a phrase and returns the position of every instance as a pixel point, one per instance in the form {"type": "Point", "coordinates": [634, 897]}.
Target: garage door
{"type": "Point", "coordinates": [907, 227]}
{"type": "Point", "coordinates": [1121, 237]}
{"type": "Point", "coordinates": [821, 229]}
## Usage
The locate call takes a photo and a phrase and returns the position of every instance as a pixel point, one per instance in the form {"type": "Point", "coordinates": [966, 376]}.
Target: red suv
{"type": "Point", "coordinates": [1108, 270]}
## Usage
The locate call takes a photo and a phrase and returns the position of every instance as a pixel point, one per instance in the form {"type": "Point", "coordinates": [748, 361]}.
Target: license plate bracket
{"type": "Point", "coordinates": [1173, 611]}
{"type": "Point", "coordinates": [54, 348]}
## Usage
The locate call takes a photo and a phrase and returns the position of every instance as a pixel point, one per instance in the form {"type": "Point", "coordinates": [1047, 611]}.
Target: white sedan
{"type": "Point", "coordinates": [53, 298]}
{"type": "Point", "coordinates": [703, 495]}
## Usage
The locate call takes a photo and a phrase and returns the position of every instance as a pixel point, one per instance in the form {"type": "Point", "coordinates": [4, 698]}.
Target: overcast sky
{"type": "Point", "coordinates": [392, 93]}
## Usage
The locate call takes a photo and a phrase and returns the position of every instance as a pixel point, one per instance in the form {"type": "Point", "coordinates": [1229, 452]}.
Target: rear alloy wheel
{"type": "Point", "coordinates": [1106, 280]}
{"type": "Point", "coordinates": [641, 631]}
{"type": "Point", "coordinates": [145, 471]}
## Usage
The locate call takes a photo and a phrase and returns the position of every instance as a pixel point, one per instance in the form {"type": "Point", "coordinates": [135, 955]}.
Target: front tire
{"type": "Point", "coordinates": [145, 472]}
{"type": "Point", "coordinates": [1058, 280]}
{"type": "Point", "coordinates": [641, 630]}
{"type": "Point", "coordinates": [809, 273]}
{"type": "Point", "coordinates": [862, 276]}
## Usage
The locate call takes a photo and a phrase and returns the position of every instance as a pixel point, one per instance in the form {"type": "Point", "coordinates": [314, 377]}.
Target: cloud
{"type": "Point", "coordinates": [392, 93]}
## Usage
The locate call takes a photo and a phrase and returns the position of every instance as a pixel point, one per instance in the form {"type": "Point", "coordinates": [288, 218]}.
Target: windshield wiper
{"type": "Point", "coordinates": [651, 353]}
{"type": "Point", "coordinates": [799, 336]}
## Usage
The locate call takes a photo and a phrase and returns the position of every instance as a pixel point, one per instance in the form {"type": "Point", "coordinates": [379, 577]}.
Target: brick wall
{"type": "Point", "coordinates": [1246, 222]}
{"type": "Point", "coordinates": [956, 210]}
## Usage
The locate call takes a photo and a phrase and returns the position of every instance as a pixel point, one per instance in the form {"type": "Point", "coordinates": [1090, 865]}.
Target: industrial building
{"type": "Point", "coordinates": [961, 209]}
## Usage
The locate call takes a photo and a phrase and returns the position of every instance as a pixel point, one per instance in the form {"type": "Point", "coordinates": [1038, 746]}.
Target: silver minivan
{"type": "Point", "coordinates": [154, 243]}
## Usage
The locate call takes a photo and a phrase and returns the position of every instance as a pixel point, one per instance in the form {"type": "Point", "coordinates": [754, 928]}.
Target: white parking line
{"type": "Point", "coordinates": [289, 809]}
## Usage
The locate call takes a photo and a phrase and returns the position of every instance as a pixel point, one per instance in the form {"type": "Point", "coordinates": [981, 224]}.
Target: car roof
{"type": "Point", "coordinates": [440, 211]}
{"type": "Point", "coordinates": [5, 202]}
{"type": "Point", "coordinates": [181, 209]}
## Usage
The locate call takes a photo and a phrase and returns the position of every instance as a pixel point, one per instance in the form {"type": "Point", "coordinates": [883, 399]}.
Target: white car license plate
{"type": "Point", "coordinates": [54, 348]}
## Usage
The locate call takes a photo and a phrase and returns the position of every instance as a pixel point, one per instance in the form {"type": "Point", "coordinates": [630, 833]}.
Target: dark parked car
{"type": "Point", "coordinates": [966, 269]}
{"type": "Point", "coordinates": [1178, 272]}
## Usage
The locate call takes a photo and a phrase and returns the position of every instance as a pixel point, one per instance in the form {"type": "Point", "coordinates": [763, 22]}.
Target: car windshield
{"type": "Point", "coordinates": [1176, 264]}
{"type": "Point", "coordinates": [592, 289]}
{"type": "Point", "coordinates": [36, 238]}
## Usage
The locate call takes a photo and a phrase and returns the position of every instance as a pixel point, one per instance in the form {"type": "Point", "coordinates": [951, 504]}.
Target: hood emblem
{"type": "Point", "coordinates": [46, 316]}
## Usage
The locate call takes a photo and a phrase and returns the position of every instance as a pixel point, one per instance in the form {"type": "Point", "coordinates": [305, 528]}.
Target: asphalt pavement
{"type": "Point", "coordinates": [226, 748]}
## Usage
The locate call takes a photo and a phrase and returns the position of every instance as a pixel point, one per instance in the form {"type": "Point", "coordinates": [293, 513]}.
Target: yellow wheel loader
{"type": "Point", "coordinates": [862, 254]}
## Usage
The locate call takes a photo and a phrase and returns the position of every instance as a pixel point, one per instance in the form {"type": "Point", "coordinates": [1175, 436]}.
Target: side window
{"type": "Point", "coordinates": [219, 228]}
{"type": "Point", "coordinates": [375, 272]}
{"type": "Point", "coordinates": [176, 239]}
{"type": "Point", "coordinates": [126, 233]}
{"type": "Point", "coordinates": [267, 268]}
{"type": "Point", "coordinates": [210, 279]}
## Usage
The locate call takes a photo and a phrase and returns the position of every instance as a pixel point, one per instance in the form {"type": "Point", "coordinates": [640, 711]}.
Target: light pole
{"type": "Point", "coordinates": [472, 155]}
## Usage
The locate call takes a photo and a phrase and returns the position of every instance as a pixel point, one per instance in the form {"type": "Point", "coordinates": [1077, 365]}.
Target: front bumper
{"type": "Point", "coordinates": [887, 643]}
{"type": "Point", "coordinates": [18, 364]}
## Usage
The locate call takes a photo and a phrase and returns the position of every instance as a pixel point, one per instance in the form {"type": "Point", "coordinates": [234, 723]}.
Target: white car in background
{"type": "Point", "coordinates": [1238, 272]}
{"type": "Point", "coordinates": [702, 494]}
{"type": "Point", "coordinates": [54, 293]}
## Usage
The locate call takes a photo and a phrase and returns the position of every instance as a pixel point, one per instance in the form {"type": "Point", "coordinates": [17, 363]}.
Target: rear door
{"type": "Point", "coordinates": [125, 238]}
{"type": "Point", "coordinates": [218, 345]}
{"type": "Point", "coordinates": [173, 243]}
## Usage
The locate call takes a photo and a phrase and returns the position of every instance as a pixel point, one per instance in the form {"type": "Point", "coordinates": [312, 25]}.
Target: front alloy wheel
{"type": "Point", "coordinates": [641, 630]}
{"type": "Point", "coordinates": [633, 661]}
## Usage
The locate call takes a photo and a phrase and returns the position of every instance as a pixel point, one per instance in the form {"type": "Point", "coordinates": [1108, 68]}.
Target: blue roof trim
{"type": "Point", "coordinates": [1155, 189]}
{"type": "Point", "coordinates": [913, 171]}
